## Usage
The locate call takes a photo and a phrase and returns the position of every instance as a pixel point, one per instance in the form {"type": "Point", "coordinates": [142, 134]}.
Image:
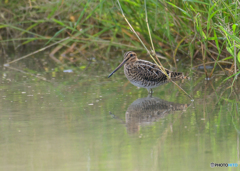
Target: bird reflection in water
{"type": "Point", "coordinates": [147, 110]}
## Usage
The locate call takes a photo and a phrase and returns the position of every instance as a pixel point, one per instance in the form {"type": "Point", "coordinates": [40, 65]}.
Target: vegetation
{"type": "Point", "coordinates": [198, 32]}
{"type": "Point", "coordinates": [78, 119]}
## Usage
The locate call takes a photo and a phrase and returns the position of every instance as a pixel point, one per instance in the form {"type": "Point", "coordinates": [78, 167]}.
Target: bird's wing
{"type": "Point", "coordinates": [150, 71]}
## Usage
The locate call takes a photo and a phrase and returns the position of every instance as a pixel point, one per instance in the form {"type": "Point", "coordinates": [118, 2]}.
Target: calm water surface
{"type": "Point", "coordinates": [85, 121]}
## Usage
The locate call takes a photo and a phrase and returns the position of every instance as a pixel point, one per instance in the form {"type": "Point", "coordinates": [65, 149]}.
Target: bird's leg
{"type": "Point", "coordinates": [149, 95]}
{"type": "Point", "coordinates": [150, 91]}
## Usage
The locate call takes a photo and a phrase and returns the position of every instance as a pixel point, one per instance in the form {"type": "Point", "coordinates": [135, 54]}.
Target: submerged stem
{"type": "Point", "coordinates": [235, 58]}
{"type": "Point", "coordinates": [39, 50]}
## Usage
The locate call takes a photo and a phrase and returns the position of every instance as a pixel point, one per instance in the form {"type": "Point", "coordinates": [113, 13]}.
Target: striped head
{"type": "Point", "coordinates": [129, 57]}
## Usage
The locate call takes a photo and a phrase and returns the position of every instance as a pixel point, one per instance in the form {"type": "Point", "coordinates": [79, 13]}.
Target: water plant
{"type": "Point", "coordinates": [198, 32]}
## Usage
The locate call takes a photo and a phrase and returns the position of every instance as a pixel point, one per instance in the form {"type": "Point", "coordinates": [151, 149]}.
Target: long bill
{"type": "Point", "coordinates": [123, 62]}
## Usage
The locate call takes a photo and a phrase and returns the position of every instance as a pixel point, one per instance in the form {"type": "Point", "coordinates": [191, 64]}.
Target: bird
{"type": "Point", "coordinates": [145, 74]}
{"type": "Point", "coordinates": [145, 111]}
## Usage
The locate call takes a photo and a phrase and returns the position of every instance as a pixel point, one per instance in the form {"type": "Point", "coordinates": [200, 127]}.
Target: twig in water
{"type": "Point", "coordinates": [28, 73]}
{"type": "Point", "coordinates": [42, 49]}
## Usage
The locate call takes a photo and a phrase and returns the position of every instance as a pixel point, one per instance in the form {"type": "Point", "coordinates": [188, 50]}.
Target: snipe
{"type": "Point", "coordinates": [145, 74]}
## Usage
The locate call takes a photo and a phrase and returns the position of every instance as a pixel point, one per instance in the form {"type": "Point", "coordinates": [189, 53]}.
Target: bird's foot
{"type": "Point", "coordinates": [150, 91]}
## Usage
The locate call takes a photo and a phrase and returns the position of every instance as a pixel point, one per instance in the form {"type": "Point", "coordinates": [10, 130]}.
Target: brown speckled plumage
{"type": "Point", "coordinates": [145, 74]}
{"type": "Point", "coordinates": [147, 110]}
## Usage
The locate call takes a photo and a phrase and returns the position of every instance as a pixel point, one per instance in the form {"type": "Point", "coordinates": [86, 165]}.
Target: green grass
{"type": "Point", "coordinates": [200, 32]}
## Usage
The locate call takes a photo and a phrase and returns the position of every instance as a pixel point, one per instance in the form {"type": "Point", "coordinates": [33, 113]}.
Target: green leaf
{"type": "Point", "coordinates": [230, 50]}
{"type": "Point", "coordinates": [238, 57]}
{"type": "Point", "coordinates": [203, 34]}
{"type": "Point", "coordinates": [63, 24]}
{"type": "Point", "coordinates": [28, 41]}
{"type": "Point", "coordinates": [193, 9]}
{"type": "Point", "coordinates": [55, 35]}
{"type": "Point", "coordinates": [234, 27]}
{"type": "Point", "coordinates": [195, 1]}
{"type": "Point", "coordinates": [3, 26]}
{"type": "Point", "coordinates": [210, 16]}
{"type": "Point", "coordinates": [185, 12]}
{"type": "Point", "coordinates": [230, 76]}
{"type": "Point", "coordinates": [81, 15]}
{"type": "Point", "coordinates": [82, 67]}
{"type": "Point", "coordinates": [58, 22]}
{"type": "Point", "coordinates": [216, 39]}
{"type": "Point", "coordinates": [230, 57]}
{"type": "Point", "coordinates": [230, 35]}
{"type": "Point", "coordinates": [53, 10]}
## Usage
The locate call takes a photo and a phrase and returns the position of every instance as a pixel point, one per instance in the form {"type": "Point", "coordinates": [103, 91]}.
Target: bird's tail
{"type": "Point", "coordinates": [178, 76]}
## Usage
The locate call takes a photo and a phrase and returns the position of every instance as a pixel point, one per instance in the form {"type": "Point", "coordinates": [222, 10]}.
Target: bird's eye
{"type": "Point", "coordinates": [131, 55]}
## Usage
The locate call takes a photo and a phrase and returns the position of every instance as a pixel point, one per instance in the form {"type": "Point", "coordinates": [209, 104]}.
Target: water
{"type": "Point", "coordinates": [81, 120]}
